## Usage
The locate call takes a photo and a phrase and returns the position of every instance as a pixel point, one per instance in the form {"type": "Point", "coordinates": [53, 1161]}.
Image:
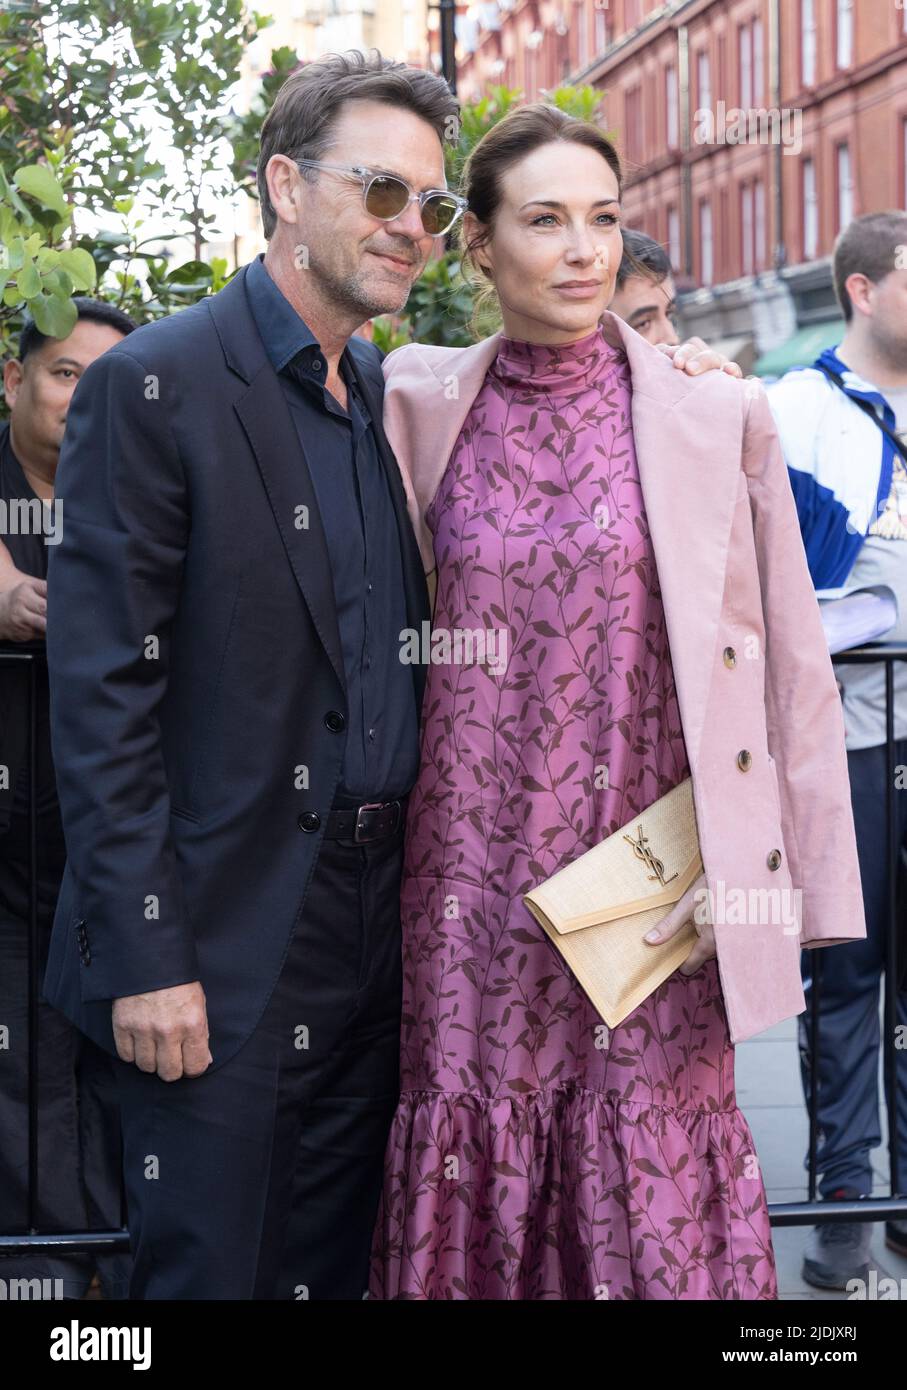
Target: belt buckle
{"type": "Point", "coordinates": [362, 837]}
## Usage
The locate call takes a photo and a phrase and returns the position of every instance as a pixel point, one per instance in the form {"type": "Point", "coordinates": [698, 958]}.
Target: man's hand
{"type": "Point", "coordinates": [694, 356]}
{"type": "Point", "coordinates": [23, 610]}
{"type": "Point", "coordinates": [165, 1031]}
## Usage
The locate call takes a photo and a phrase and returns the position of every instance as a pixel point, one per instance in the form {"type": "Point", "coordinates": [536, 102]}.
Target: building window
{"type": "Point", "coordinates": [580, 19]}
{"type": "Point", "coordinates": [745, 58]}
{"type": "Point", "coordinates": [810, 211]}
{"type": "Point", "coordinates": [633, 123]}
{"type": "Point", "coordinates": [750, 59]}
{"type": "Point", "coordinates": [706, 248]}
{"type": "Point", "coordinates": [674, 228]}
{"type": "Point", "coordinates": [808, 42]}
{"type": "Point", "coordinates": [601, 29]}
{"type": "Point", "coordinates": [747, 228]}
{"type": "Point", "coordinates": [845, 187]}
{"type": "Point", "coordinates": [704, 81]}
{"type": "Point", "coordinates": [759, 225]}
{"type": "Point", "coordinates": [671, 112]}
{"type": "Point", "coordinates": [722, 63]}
{"type": "Point", "coordinates": [844, 25]}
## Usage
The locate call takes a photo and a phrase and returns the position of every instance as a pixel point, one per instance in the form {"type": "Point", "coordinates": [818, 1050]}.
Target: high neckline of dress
{"type": "Point", "coordinates": [551, 367]}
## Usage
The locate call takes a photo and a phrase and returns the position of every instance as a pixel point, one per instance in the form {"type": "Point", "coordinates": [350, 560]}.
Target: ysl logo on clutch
{"type": "Point", "coordinates": [642, 851]}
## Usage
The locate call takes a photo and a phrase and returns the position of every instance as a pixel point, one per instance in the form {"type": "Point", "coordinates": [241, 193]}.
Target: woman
{"type": "Point", "coordinates": [532, 1156]}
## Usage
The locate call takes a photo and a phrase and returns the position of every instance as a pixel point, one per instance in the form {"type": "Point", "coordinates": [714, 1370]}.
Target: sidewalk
{"type": "Point", "coordinates": [770, 1095]}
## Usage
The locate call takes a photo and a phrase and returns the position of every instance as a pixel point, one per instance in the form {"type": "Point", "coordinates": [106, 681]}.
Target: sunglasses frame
{"type": "Point", "coordinates": [367, 177]}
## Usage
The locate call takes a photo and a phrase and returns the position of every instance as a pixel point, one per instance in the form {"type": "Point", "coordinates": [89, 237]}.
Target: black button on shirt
{"type": "Point", "coordinates": [360, 526]}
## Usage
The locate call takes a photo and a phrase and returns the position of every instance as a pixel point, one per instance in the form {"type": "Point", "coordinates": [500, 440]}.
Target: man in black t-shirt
{"type": "Point", "coordinates": [78, 1129]}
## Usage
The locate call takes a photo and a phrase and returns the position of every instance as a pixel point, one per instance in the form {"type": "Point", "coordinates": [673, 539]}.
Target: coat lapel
{"type": "Point", "coordinates": [689, 468]}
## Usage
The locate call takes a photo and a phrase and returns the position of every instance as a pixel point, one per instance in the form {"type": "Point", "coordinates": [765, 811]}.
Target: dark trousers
{"type": "Point", "coordinates": [78, 1131]}
{"type": "Point", "coordinates": [849, 1008]}
{"type": "Point", "coordinates": [262, 1179]}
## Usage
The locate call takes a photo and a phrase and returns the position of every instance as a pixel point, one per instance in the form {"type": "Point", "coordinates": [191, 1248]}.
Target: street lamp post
{"type": "Point", "coordinates": [447, 10]}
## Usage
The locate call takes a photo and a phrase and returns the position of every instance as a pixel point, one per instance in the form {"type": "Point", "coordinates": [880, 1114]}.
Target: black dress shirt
{"type": "Point", "coordinates": [339, 446]}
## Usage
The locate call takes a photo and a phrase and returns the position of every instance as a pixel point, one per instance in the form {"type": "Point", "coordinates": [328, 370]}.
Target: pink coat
{"type": "Point", "coordinates": [751, 664]}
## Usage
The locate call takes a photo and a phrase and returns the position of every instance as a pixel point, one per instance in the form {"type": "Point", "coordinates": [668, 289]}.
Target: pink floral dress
{"type": "Point", "coordinates": [532, 1155]}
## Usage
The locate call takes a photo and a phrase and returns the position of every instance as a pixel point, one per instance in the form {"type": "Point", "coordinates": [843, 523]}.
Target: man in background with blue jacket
{"type": "Point", "coordinates": [843, 428]}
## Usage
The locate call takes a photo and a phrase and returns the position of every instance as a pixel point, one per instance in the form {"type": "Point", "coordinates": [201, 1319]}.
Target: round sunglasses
{"type": "Point", "coordinates": [385, 196]}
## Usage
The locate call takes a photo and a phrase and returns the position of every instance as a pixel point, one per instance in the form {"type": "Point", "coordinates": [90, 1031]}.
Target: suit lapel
{"type": "Point", "coordinates": [265, 417]}
{"type": "Point", "coordinates": [268, 425]}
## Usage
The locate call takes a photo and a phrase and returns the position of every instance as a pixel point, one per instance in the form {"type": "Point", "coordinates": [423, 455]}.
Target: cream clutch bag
{"type": "Point", "coordinates": [597, 910]}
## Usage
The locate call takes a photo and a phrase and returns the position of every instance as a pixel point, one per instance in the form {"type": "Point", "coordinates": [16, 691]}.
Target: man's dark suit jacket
{"type": "Point", "coordinates": [195, 669]}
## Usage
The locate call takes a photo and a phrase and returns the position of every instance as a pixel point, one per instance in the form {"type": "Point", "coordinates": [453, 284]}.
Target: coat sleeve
{"type": "Point", "coordinates": [803, 707]}
{"type": "Point", "coordinates": [113, 588]}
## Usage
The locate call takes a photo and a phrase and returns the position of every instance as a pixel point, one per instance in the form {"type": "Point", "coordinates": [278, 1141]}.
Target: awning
{"type": "Point", "coordinates": [802, 349]}
{"type": "Point", "coordinates": [741, 350]}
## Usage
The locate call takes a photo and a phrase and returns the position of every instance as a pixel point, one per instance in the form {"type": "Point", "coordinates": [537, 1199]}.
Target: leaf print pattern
{"type": "Point", "coordinates": [532, 1155]}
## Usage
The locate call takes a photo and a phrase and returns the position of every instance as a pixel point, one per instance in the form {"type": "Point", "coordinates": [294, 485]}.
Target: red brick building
{"type": "Point", "coordinates": [750, 130]}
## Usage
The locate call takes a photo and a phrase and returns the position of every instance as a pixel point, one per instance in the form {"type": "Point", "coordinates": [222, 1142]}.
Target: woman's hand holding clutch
{"type": "Point", "coordinates": [694, 907]}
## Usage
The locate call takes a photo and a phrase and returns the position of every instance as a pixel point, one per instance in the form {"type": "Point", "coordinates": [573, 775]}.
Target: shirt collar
{"type": "Point", "coordinates": [284, 332]}
{"type": "Point", "coordinates": [854, 385]}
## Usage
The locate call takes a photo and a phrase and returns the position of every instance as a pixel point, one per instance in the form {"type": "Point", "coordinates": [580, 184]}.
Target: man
{"type": "Point", "coordinates": [235, 729]}
{"type": "Point", "coordinates": [78, 1131]}
{"type": "Point", "coordinates": [645, 296]}
{"type": "Point", "coordinates": [848, 470]}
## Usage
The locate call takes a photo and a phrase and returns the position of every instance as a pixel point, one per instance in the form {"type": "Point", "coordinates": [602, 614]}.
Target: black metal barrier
{"type": "Point", "coordinates": [28, 660]}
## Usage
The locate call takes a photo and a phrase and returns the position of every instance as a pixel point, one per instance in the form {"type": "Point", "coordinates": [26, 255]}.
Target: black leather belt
{"type": "Point", "coordinates": [373, 820]}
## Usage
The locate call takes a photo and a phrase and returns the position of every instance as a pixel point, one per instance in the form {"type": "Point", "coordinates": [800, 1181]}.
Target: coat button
{"type": "Point", "coordinates": [335, 721]}
{"type": "Point", "coordinates": [309, 821]}
{"type": "Point", "coordinates": [744, 760]}
{"type": "Point", "coordinates": [730, 657]}
{"type": "Point", "coordinates": [774, 859]}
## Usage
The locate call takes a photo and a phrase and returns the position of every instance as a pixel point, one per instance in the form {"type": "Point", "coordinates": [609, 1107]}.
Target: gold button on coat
{"type": "Point", "coordinates": [744, 760]}
{"type": "Point", "coordinates": [774, 859]}
{"type": "Point", "coordinates": [730, 656]}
